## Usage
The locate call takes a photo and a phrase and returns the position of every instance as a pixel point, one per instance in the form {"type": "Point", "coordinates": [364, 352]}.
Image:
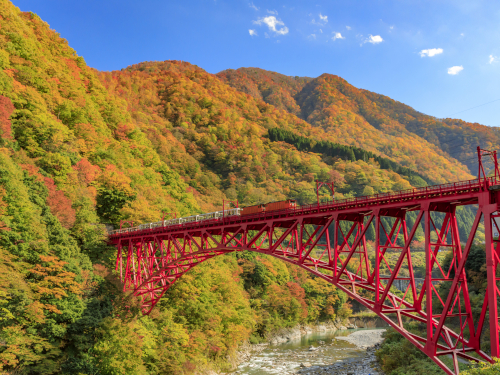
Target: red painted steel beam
{"type": "Point", "coordinates": [150, 261]}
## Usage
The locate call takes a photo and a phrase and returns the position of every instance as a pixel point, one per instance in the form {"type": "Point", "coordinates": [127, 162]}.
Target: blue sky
{"type": "Point", "coordinates": [439, 56]}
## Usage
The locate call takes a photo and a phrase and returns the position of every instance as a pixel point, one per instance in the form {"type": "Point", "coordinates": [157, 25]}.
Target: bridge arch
{"type": "Point", "coordinates": [152, 289]}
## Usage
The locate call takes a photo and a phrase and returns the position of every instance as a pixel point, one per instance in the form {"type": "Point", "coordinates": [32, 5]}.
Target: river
{"type": "Point", "coordinates": [286, 358]}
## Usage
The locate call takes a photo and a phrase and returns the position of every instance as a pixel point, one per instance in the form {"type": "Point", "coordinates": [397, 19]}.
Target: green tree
{"type": "Point", "coordinates": [119, 348]}
{"type": "Point", "coordinates": [110, 202]}
{"type": "Point", "coordinates": [485, 369]}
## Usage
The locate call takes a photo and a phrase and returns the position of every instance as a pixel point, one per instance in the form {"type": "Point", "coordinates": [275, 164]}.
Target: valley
{"type": "Point", "coordinates": [83, 151]}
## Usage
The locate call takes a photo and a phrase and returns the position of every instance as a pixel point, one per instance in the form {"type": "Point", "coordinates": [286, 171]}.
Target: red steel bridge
{"type": "Point", "coordinates": [328, 239]}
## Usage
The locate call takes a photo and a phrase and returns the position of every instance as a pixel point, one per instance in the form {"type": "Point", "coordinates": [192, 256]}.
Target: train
{"type": "Point", "coordinates": [238, 211]}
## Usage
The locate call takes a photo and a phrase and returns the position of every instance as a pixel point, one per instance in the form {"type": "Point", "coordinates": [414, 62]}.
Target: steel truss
{"type": "Point", "coordinates": [329, 240]}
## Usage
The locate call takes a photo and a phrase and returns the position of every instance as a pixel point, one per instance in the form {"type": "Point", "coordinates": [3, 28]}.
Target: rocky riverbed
{"type": "Point", "coordinates": [365, 364]}
{"type": "Point", "coordinates": [341, 352]}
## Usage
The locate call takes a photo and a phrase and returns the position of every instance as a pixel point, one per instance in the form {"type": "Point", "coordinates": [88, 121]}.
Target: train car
{"type": "Point", "coordinates": [157, 224]}
{"type": "Point", "coordinates": [175, 221]}
{"type": "Point", "coordinates": [181, 220]}
{"type": "Point", "coordinates": [210, 216]}
{"type": "Point", "coordinates": [252, 209]}
{"type": "Point", "coordinates": [231, 212]}
{"type": "Point", "coordinates": [281, 205]}
{"type": "Point", "coordinates": [189, 219]}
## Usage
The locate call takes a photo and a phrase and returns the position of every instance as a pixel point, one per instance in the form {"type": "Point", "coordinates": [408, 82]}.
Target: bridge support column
{"type": "Point", "coordinates": [119, 260]}
{"type": "Point", "coordinates": [491, 267]}
{"type": "Point", "coordinates": [378, 259]}
{"type": "Point", "coordinates": [430, 347]}
{"type": "Point", "coordinates": [336, 247]}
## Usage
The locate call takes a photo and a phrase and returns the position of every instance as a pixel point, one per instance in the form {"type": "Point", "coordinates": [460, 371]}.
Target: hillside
{"type": "Point", "coordinates": [352, 116]}
{"type": "Point", "coordinates": [225, 131]}
{"type": "Point", "coordinates": [81, 148]}
{"type": "Point", "coordinates": [273, 88]}
{"type": "Point", "coordinates": [457, 138]}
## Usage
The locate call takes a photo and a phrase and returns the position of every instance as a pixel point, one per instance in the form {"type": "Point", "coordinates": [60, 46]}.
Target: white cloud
{"type": "Point", "coordinates": [323, 20]}
{"type": "Point", "coordinates": [454, 70]}
{"type": "Point", "coordinates": [462, 34]}
{"type": "Point", "coordinates": [312, 36]}
{"type": "Point", "coordinates": [374, 39]}
{"type": "Point", "coordinates": [338, 36]}
{"type": "Point", "coordinates": [348, 27]}
{"type": "Point", "coordinates": [431, 52]}
{"type": "Point", "coordinates": [275, 12]}
{"type": "Point", "coordinates": [252, 5]}
{"type": "Point", "coordinates": [493, 59]}
{"type": "Point", "coordinates": [321, 31]}
{"type": "Point", "coordinates": [252, 32]}
{"type": "Point", "coordinates": [272, 22]}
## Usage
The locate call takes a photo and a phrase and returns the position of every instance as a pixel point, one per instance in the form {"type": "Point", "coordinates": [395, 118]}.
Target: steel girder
{"type": "Point", "coordinates": [332, 245]}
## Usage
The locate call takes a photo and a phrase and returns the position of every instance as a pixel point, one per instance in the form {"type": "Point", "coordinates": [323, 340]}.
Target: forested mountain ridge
{"type": "Point", "coordinates": [456, 137]}
{"type": "Point", "coordinates": [225, 131]}
{"type": "Point", "coordinates": [274, 88]}
{"type": "Point", "coordinates": [81, 148]}
{"type": "Point", "coordinates": [371, 121]}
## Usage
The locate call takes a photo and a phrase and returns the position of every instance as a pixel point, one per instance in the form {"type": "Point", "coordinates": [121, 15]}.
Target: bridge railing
{"type": "Point", "coordinates": [409, 193]}
{"type": "Point", "coordinates": [364, 200]}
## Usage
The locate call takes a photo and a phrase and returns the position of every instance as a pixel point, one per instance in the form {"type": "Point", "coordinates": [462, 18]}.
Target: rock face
{"type": "Point", "coordinates": [288, 334]}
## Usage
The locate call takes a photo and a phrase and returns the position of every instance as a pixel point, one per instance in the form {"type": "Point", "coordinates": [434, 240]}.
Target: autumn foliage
{"type": "Point", "coordinates": [6, 110]}
{"type": "Point", "coordinates": [81, 148]}
{"type": "Point", "coordinates": [344, 114]}
{"type": "Point", "coordinates": [59, 204]}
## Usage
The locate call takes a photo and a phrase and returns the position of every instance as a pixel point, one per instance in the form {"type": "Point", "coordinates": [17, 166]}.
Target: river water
{"type": "Point", "coordinates": [286, 358]}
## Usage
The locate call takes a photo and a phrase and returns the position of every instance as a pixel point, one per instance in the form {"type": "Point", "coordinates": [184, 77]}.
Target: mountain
{"type": "Point", "coordinates": [222, 138]}
{"type": "Point", "coordinates": [273, 88]}
{"type": "Point", "coordinates": [348, 115]}
{"type": "Point", "coordinates": [81, 149]}
{"type": "Point", "coordinates": [457, 138]}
